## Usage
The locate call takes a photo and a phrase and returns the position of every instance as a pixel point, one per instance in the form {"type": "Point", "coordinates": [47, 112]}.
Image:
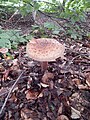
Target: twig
{"type": "Point", "coordinates": [76, 111]}
{"type": "Point", "coordinates": [70, 62]}
{"type": "Point", "coordinates": [79, 55]}
{"type": "Point", "coordinates": [6, 92]}
{"type": "Point", "coordinates": [10, 92]}
{"type": "Point", "coordinates": [16, 12]}
{"type": "Point", "coordinates": [50, 16]}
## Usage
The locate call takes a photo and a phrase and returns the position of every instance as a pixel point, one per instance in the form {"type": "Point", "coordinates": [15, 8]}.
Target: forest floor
{"type": "Point", "coordinates": [61, 93]}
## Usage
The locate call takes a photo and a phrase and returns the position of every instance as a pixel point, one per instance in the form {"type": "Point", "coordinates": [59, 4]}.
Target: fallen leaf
{"type": "Point", "coordinates": [60, 109]}
{"type": "Point", "coordinates": [35, 31]}
{"type": "Point", "coordinates": [27, 114]}
{"type": "Point", "coordinates": [2, 69]}
{"type": "Point", "coordinates": [44, 85]}
{"type": "Point", "coordinates": [50, 115]}
{"type": "Point", "coordinates": [13, 98]}
{"type": "Point", "coordinates": [62, 117]}
{"type": "Point", "coordinates": [15, 65]}
{"type": "Point", "coordinates": [5, 74]}
{"type": "Point", "coordinates": [76, 81]}
{"type": "Point", "coordinates": [31, 95]}
{"type": "Point", "coordinates": [51, 84]}
{"type": "Point", "coordinates": [75, 113]}
{"type": "Point", "coordinates": [15, 62]}
{"type": "Point", "coordinates": [47, 76]}
{"type": "Point", "coordinates": [75, 95]}
{"type": "Point", "coordinates": [40, 95]}
{"type": "Point", "coordinates": [83, 87]}
{"type": "Point", "coordinates": [88, 79]}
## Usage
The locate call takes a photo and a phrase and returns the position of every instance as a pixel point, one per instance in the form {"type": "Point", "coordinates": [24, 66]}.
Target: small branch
{"type": "Point", "coordinates": [52, 18]}
{"type": "Point", "coordinates": [6, 92]}
{"type": "Point", "coordinates": [16, 12]}
{"type": "Point", "coordinates": [4, 104]}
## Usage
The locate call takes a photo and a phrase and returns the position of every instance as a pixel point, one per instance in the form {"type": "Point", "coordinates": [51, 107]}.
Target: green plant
{"type": "Point", "coordinates": [72, 11]}
{"type": "Point", "coordinates": [74, 31]}
{"type": "Point", "coordinates": [11, 38]}
{"type": "Point", "coordinates": [53, 27]}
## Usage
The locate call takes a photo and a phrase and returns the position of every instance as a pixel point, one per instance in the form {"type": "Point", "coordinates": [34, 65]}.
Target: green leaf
{"type": "Point", "coordinates": [88, 34]}
{"type": "Point", "coordinates": [35, 27]}
{"type": "Point", "coordinates": [36, 6]}
{"type": "Point", "coordinates": [74, 36]}
{"type": "Point", "coordinates": [56, 32]}
{"type": "Point", "coordinates": [49, 25]}
{"type": "Point", "coordinates": [29, 37]}
{"type": "Point", "coordinates": [4, 35]}
{"type": "Point", "coordinates": [14, 45]}
{"type": "Point", "coordinates": [9, 55]}
{"type": "Point", "coordinates": [5, 43]}
{"type": "Point", "coordinates": [22, 40]}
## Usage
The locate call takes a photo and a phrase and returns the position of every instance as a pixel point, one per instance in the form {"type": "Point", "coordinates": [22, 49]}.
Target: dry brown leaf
{"type": "Point", "coordinates": [31, 95]}
{"type": "Point", "coordinates": [83, 87]}
{"type": "Point", "coordinates": [2, 69]}
{"type": "Point", "coordinates": [76, 81]}
{"type": "Point", "coordinates": [60, 109]}
{"type": "Point", "coordinates": [47, 76]}
{"type": "Point", "coordinates": [62, 117]}
{"type": "Point", "coordinates": [88, 79]}
{"type": "Point", "coordinates": [40, 95]}
{"type": "Point", "coordinates": [75, 113]}
{"type": "Point", "coordinates": [27, 114]}
{"type": "Point", "coordinates": [75, 96]}
{"type": "Point", "coordinates": [51, 84]}
{"type": "Point", "coordinates": [15, 68]}
{"type": "Point", "coordinates": [13, 98]}
{"type": "Point", "coordinates": [15, 65]}
{"type": "Point", "coordinates": [15, 62]}
{"type": "Point", "coordinates": [5, 74]}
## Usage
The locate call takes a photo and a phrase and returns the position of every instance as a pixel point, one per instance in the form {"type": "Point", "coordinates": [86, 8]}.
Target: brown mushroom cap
{"type": "Point", "coordinates": [45, 49]}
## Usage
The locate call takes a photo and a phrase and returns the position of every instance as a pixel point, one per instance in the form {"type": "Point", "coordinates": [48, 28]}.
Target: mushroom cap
{"type": "Point", "coordinates": [3, 50]}
{"type": "Point", "coordinates": [45, 49]}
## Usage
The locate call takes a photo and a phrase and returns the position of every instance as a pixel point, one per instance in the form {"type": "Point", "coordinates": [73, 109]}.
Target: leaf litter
{"type": "Point", "coordinates": [62, 93]}
{"type": "Point", "coordinates": [42, 100]}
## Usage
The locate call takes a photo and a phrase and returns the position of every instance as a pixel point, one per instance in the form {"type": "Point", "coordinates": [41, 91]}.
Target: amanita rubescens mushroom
{"type": "Point", "coordinates": [45, 50]}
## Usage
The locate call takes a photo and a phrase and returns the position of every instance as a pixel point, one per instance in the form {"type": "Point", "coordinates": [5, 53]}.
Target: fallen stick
{"type": "Point", "coordinates": [6, 92]}
{"type": "Point", "coordinates": [4, 104]}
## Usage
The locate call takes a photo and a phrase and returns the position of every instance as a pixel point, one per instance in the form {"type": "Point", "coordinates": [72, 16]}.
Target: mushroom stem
{"type": "Point", "coordinates": [44, 66]}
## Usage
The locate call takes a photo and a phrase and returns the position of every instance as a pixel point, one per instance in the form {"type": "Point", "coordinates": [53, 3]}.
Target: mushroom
{"type": "Point", "coordinates": [45, 50]}
{"type": "Point", "coordinates": [3, 50]}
